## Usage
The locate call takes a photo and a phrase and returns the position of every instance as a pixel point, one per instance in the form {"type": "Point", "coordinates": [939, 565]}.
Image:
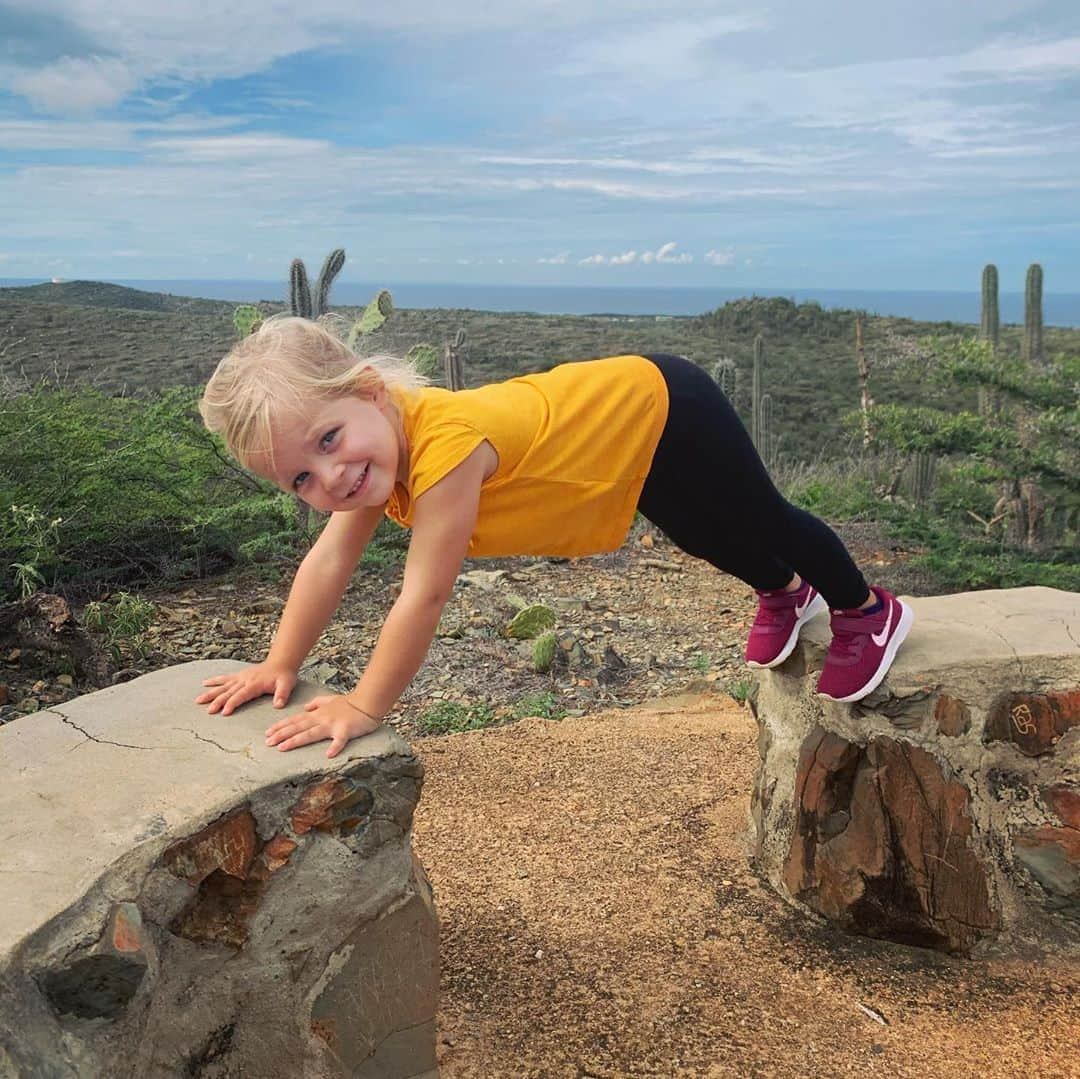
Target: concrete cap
{"type": "Point", "coordinates": [85, 783]}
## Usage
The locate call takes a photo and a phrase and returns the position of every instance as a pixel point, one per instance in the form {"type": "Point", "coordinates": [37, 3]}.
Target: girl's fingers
{"type": "Point", "coordinates": [337, 745]}
{"type": "Point", "coordinates": [302, 738]}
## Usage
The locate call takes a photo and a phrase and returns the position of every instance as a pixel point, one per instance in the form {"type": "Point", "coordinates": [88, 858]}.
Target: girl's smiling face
{"type": "Point", "coordinates": [338, 455]}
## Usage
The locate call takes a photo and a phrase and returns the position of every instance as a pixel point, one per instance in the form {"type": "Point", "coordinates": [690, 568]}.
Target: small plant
{"type": "Point", "coordinates": [742, 689]}
{"type": "Point", "coordinates": [544, 705]}
{"type": "Point", "coordinates": [700, 662]}
{"type": "Point", "coordinates": [450, 717]}
{"type": "Point", "coordinates": [123, 621]}
{"type": "Point", "coordinates": [37, 537]}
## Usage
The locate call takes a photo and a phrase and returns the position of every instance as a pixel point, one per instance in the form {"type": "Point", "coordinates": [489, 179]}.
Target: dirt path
{"type": "Point", "coordinates": [599, 919]}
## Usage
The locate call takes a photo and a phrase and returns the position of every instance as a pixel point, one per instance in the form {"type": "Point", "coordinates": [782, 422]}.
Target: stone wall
{"type": "Point", "coordinates": [180, 900]}
{"type": "Point", "coordinates": [944, 809]}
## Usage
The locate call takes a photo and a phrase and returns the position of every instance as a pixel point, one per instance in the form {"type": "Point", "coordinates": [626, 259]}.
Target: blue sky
{"type": "Point", "coordinates": [847, 144]}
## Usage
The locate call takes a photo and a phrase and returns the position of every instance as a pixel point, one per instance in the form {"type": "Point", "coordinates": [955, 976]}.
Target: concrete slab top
{"type": "Point", "coordinates": [975, 628]}
{"type": "Point", "coordinates": [86, 782]}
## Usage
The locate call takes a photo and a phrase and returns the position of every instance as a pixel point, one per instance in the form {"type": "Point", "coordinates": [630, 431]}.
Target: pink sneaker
{"type": "Point", "coordinates": [863, 648]}
{"type": "Point", "coordinates": [780, 616]}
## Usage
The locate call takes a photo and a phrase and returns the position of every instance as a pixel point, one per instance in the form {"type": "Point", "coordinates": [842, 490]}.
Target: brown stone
{"type": "Point", "coordinates": [1033, 722]}
{"type": "Point", "coordinates": [228, 845]}
{"type": "Point", "coordinates": [881, 845]}
{"type": "Point", "coordinates": [126, 932]}
{"type": "Point", "coordinates": [953, 717]}
{"type": "Point", "coordinates": [221, 912]}
{"type": "Point", "coordinates": [230, 868]}
{"type": "Point", "coordinates": [272, 857]}
{"type": "Point", "coordinates": [339, 805]}
{"type": "Point", "coordinates": [1065, 802]}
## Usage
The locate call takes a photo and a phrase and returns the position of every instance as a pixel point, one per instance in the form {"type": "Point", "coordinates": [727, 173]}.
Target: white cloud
{"type": "Point", "coordinates": [726, 257]}
{"type": "Point", "coordinates": [556, 260]}
{"type": "Point", "coordinates": [593, 260]}
{"type": "Point", "coordinates": [676, 46]}
{"type": "Point", "coordinates": [72, 85]}
{"type": "Point", "coordinates": [624, 259]}
{"type": "Point", "coordinates": [666, 253]}
{"type": "Point", "coordinates": [241, 146]}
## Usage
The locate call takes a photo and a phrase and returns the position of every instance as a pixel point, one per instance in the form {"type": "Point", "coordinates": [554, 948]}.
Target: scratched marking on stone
{"type": "Point", "coordinates": [1023, 720]}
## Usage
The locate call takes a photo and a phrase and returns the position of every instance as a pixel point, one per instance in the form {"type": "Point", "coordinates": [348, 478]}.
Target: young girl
{"type": "Point", "coordinates": [548, 464]}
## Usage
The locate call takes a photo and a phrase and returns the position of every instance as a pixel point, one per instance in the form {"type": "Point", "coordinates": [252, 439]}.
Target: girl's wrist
{"type": "Point", "coordinates": [363, 711]}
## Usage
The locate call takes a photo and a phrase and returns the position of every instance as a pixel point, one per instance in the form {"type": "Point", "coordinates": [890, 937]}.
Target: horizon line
{"type": "Point", "coordinates": [492, 284]}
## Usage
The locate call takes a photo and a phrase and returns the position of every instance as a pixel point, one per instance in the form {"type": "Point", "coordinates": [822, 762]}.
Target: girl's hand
{"type": "Point", "coordinates": [228, 691]}
{"type": "Point", "coordinates": [334, 717]}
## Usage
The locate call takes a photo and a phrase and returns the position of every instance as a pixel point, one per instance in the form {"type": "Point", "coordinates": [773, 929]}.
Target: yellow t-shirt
{"type": "Point", "coordinates": [574, 444]}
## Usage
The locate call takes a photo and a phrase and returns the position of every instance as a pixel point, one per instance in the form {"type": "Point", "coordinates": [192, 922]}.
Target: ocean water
{"type": "Point", "coordinates": [1059, 309]}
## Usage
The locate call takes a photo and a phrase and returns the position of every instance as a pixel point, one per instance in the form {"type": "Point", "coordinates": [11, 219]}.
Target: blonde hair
{"type": "Point", "coordinates": [284, 366]}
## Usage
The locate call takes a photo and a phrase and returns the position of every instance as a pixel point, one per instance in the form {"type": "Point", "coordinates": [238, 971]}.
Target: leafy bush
{"type": "Point", "coordinates": [123, 621]}
{"type": "Point", "coordinates": [106, 490]}
{"type": "Point", "coordinates": [448, 717]}
{"type": "Point", "coordinates": [544, 705]}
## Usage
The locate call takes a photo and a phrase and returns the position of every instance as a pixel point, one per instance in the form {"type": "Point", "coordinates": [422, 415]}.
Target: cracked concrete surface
{"type": "Point", "coordinates": [97, 908]}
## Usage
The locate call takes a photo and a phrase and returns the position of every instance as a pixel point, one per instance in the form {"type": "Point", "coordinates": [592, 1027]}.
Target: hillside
{"type": "Point", "coordinates": [125, 340]}
{"type": "Point", "coordinates": [104, 294]}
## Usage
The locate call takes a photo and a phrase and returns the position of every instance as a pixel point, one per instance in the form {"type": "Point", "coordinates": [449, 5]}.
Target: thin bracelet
{"type": "Point", "coordinates": [357, 708]}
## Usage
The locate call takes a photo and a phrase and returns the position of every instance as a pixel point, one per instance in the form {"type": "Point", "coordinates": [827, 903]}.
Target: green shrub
{"type": "Point", "coordinates": [101, 491]}
{"type": "Point", "coordinates": [544, 705]}
{"type": "Point", "coordinates": [448, 717]}
{"type": "Point", "coordinates": [123, 621]}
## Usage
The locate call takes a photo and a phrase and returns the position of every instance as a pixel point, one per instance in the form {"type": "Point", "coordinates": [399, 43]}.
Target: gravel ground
{"type": "Point", "coordinates": [599, 918]}
{"type": "Point", "coordinates": [647, 621]}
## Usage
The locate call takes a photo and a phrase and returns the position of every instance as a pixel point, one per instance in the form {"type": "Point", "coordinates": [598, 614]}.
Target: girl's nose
{"type": "Point", "coordinates": [335, 473]}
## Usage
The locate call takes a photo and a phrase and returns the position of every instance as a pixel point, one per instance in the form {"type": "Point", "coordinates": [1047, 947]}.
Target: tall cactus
{"type": "Point", "coordinates": [1033, 321]}
{"type": "Point", "coordinates": [454, 361]}
{"type": "Point", "coordinates": [726, 376]}
{"type": "Point", "coordinates": [866, 402]}
{"type": "Point", "coordinates": [990, 326]}
{"type": "Point", "coordinates": [330, 269]}
{"type": "Point", "coordinates": [755, 393]}
{"type": "Point", "coordinates": [923, 473]}
{"type": "Point", "coordinates": [989, 330]}
{"type": "Point", "coordinates": [299, 290]}
{"type": "Point", "coordinates": [767, 449]}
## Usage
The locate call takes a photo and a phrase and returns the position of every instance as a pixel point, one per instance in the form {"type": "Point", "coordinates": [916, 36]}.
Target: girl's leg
{"type": "Point", "coordinates": [709, 491]}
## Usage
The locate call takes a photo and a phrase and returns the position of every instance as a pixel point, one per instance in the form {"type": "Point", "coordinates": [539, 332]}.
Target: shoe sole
{"type": "Point", "coordinates": [816, 606]}
{"type": "Point", "coordinates": [907, 616]}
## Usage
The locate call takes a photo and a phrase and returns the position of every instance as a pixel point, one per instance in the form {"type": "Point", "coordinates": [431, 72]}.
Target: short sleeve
{"type": "Point", "coordinates": [437, 452]}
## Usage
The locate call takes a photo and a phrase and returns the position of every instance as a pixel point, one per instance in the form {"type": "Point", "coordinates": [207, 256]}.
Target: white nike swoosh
{"type": "Point", "coordinates": [799, 610]}
{"type": "Point", "coordinates": [880, 638]}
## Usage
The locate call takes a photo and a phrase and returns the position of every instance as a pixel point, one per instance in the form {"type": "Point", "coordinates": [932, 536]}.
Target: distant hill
{"type": "Point", "coordinates": [131, 341]}
{"type": "Point", "coordinates": [103, 294]}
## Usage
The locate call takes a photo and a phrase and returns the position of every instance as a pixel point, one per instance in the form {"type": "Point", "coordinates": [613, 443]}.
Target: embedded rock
{"type": "Point", "coordinates": [944, 809]}
{"type": "Point", "coordinates": [181, 900]}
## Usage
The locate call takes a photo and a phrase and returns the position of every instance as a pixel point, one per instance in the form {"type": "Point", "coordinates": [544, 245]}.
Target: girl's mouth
{"type": "Point", "coordinates": [358, 485]}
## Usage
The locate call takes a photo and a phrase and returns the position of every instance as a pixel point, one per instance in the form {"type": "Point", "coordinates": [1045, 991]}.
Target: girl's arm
{"type": "Point", "coordinates": [320, 582]}
{"type": "Point", "coordinates": [444, 520]}
{"type": "Point", "coordinates": [316, 591]}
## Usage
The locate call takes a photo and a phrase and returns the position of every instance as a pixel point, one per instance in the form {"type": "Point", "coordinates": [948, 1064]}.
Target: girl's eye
{"type": "Point", "coordinates": [327, 439]}
{"type": "Point", "coordinates": [300, 480]}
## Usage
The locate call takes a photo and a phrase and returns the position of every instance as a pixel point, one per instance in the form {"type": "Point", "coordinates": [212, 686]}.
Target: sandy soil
{"type": "Point", "coordinates": [600, 919]}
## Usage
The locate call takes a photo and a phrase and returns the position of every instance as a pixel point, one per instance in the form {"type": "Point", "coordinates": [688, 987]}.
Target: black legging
{"type": "Point", "coordinates": [709, 492]}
